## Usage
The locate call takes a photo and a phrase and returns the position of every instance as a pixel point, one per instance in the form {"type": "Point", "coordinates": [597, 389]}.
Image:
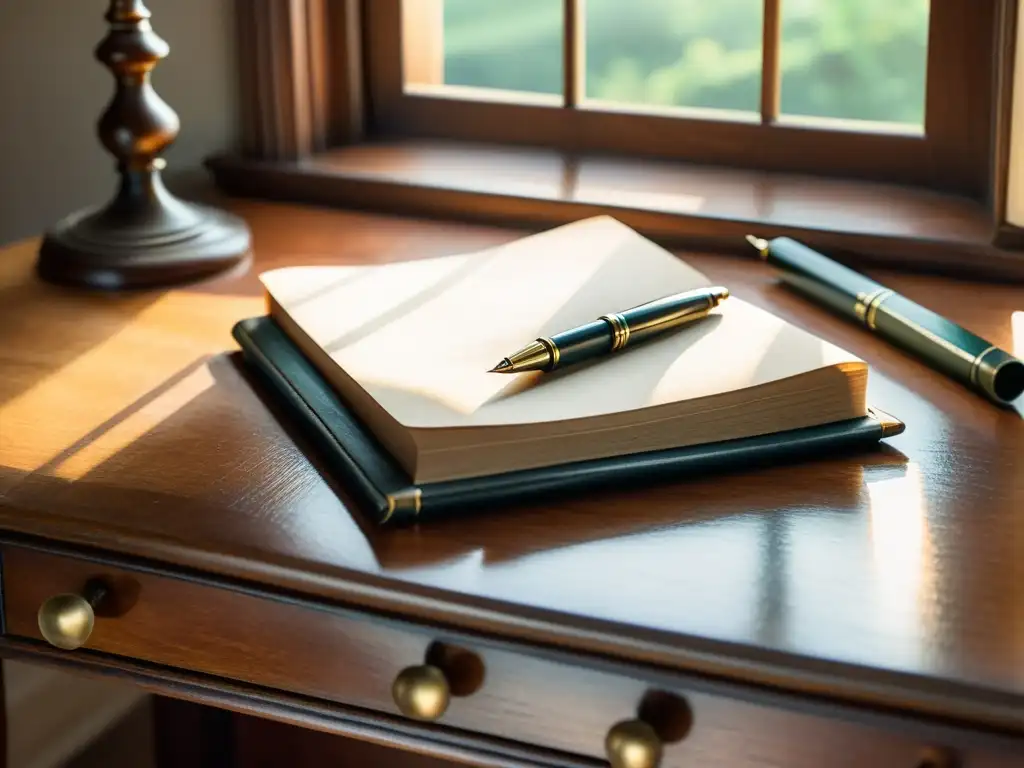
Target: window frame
{"type": "Point", "coordinates": [311, 131]}
{"type": "Point", "coordinates": [953, 155]}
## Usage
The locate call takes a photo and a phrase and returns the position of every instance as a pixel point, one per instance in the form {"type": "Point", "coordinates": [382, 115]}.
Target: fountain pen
{"type": "Point", "coordinates": [613, 332]}
{"type": "Point", "coordinates": [938, 341]}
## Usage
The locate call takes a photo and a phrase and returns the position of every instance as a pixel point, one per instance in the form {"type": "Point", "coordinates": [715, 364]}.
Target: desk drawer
{"type": "Point", "coordinates": [354, 659]}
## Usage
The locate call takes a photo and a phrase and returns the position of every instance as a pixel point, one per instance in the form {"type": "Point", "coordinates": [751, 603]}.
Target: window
{"type": "Point", "coordinates": [893, 91]}
{"type": "Point", "coordinates": [877, 130]}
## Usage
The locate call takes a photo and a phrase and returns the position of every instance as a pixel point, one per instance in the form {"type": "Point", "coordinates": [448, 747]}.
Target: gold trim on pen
{"type": "Point", "coordinates": [625, 330]}
{"type": "Point", "coordinates": [875, 304]}
{"type": "Point", "coordinates": [613, 321]}
{"type": "Point", "coordinates": [976, 364]}
{"type": "Point", "coordinates": [867, 305]}
{"type": "Point", "coordinates": [620, 330]}
{"type": "Point", "coordinates": [552, 348]}
{"type": "Point", "coordinates": [860, 308]}
{"type": "Point", "coordinates": [403, 500]}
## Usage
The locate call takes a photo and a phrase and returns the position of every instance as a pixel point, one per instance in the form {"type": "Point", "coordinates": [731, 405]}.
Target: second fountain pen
{"type": "Point", "coordinates": [613, 332]}
{"type": "Point", "coordinates": [938, 341]}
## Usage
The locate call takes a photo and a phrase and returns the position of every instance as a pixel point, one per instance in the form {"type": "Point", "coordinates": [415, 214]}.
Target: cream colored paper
{"type": "Point", "coordinates": [420, 336]}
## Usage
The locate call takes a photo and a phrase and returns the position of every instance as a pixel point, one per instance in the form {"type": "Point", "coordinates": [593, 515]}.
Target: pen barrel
{"type": "Point", "coordinates": [617, 330]}
{"type": "Point", "coordinates": [941, 343]}
{"type": "Point", "coordinates": [657, 317]}
{"type": "Point", "coordinates": [581, 343]}
{"type": "Point", "coordinates": [838, 287]}
{"type": "Point", "coordinates": [948, 347]}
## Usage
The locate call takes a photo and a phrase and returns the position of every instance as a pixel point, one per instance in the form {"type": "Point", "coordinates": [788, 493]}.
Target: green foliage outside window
{"type": "Point", "coordinates": [859, 59]}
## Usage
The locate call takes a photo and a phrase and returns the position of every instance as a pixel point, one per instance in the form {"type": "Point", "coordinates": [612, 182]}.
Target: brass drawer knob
{"type": "Point", "coordinates": [421, 692]}
{"type": "Point", "coordinates": [633, 744]}
{"type": "Point", "coordinates": [66, 621]}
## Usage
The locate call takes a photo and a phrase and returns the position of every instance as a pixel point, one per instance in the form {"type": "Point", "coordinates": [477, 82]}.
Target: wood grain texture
{"type": "Point", "coordinates": [962, 86]}
{"type": "Point", "coordinates": [771, 70]}
{"type": "Point", "coordinates": [892, 579]}
{"type": "Point", "coordinates": [246, 699]}
{"type": "Point", "coordinates": [1006, 47]}
{"type": "Point", "coordinates": [300, 76]}
{"type": "Point", "coordinates": [352, 659]}
{"type": "Point", "coordinates": [266, 744]}
{"type": "Point", "coordinates": [680, 205]}
{"type": "Point", "coordinates": [574, 47]}
{"type": "Point", "coordinates": [269, 744]}
{"type": "Point", "coordinates": [3, 721]}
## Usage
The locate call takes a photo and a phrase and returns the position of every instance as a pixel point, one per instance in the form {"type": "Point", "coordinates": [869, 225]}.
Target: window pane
{"type": "Point", "coordinates": [675, 53]}
{"type": "Point", "coordinates": [855, 59]}
{"type": "Point", "coordinates": [509, 45]}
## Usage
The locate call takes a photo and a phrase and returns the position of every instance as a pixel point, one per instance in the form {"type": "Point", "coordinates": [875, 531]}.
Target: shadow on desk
{"type": "Point", "coordinates": [510, 532]}
{"type": "Point", "coordinates": [831, 485]}
{"type": "Point", "coordinates": [210, 452]}
{"type": "Point", "coordinates": [824, 487]}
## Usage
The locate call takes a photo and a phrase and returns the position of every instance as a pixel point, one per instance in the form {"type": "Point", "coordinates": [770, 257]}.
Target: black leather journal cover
{"type": "Point", "coordinates": [386, 493]}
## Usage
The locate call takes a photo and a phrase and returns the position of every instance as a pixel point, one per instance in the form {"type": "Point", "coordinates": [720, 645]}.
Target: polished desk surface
{"type": "Point", "coordinates": [892, 578]}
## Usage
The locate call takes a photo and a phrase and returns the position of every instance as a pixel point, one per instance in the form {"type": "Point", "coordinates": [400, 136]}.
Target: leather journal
{"type": "Point", "coordinates": [386, 493]}
{"type": "Point", "coordinates": [387, 365]}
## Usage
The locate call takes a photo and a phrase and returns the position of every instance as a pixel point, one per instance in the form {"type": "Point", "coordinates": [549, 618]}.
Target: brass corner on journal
{"type": "Point", "coordinates": [406, 500]}
{"type": "Point", "coordinates": [891, 426]}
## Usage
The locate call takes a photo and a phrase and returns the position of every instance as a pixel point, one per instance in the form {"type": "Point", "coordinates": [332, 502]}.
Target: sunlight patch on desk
{"type": "Point", "coordinates": [903, 560]}
{"type": "Point", "coordinates": [671, 202]}
{"type": "Point", "coordinates": [462, 572]}
{"type": "Point", "coordinates": [673, 111]}
{"type": "Point", "coordinates": [95, 388]}
{"type": "Point", "coordinates": [122, 434]}
{"type": "Point", "coordinates": [481, 94]}
{"type": "Point", "coordinates": [853, 125]}
{"type": "Point", "coordinates": [697, 568]}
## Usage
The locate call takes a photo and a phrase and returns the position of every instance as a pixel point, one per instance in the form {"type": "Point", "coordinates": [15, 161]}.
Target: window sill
{"type": "Point", "coordinates": [679, 205]}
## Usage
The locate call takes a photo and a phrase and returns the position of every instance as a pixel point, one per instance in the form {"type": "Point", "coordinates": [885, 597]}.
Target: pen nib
{"type": "Point", "coordinates": [503, 367]}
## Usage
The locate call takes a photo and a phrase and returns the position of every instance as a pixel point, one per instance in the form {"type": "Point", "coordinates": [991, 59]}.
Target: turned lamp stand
{"type": "Point", "coordinates": [145, 236]}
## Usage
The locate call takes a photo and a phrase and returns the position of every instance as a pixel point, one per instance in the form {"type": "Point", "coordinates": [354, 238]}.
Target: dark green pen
{"type": "Point", "coordinates": [943, 344]}
{"type": "Point", "coordinates": [613, 332]}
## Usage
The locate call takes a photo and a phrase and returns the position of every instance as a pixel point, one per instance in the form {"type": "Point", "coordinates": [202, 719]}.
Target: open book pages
{"type": "Point", "coordinates": [408, 346]}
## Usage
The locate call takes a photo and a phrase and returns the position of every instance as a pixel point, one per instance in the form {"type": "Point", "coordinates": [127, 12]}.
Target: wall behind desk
{"type": "Point", "coordinates": [52, 92]}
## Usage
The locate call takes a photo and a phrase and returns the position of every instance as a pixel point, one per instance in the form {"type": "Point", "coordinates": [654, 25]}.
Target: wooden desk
{"type": "Point", "coordinates": [842, 612]}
